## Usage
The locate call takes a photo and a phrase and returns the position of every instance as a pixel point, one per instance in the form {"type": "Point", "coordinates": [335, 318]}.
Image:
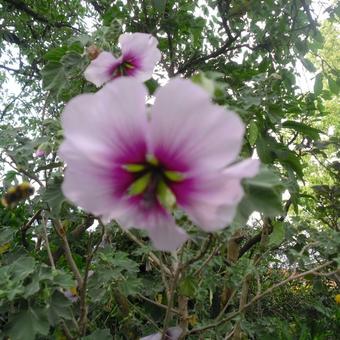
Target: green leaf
{"type": "Point", "coordinates": [54, 196]}
{"type": "Point", "coordinates": [303, 129]}
{"type": "Point", "coordinates": [62, 279]}
{"type": "Point", "coordinates": [28, 323]}
{"type": "Point", "coordinates": [33, 287]}
{"type": "Point", "coordinates": [55, 54]}
{"type": "Point", "coordinates": [152, 86]}
{"type": "Point", "coordinates": [206, 83]}
{"type": "Point", "coordinates": [333, 86]}
{"type": "Point", "coordinates": [159, 5]}
{"type": "Point", "coordinates": [99, 334]}
{"type": "Point", "coordinates": [187, 286]}
{"type": "Point", "coordinates": [6, 235]}
{"type": "Point", "coordinates": [308, 65]}
{"type": "Point", "coordinates": [290, 159]}
{"type": "Point", "coordinates": [165, 196]}
{"type": "Point", "coordinates": [277, 236]}
{"type": "Point", "coordinates": [139, 185]}
{"type": "Point", "coordinates": [22, 267]}
{"type": "Point", "coordinates": [263, 194]}
{"type": "Point", "coordinates": [253, 132]}
{"type": "Point", "coordinates": [318, 84]}
{"type": "Point", "coordinates": [59, 308]}
{"type": "Point", "coordinates": [53, 75]}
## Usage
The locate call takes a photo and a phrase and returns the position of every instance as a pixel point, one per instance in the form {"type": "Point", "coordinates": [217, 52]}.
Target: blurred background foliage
{"type": "Point", "coordinates": [273, 275]}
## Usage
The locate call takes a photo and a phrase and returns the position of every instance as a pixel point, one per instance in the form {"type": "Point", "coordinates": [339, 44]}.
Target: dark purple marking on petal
{"type": "Point", "coordinates": [133, 150]}
{"type": "Point", "coordinates": [183, 190]}
{"type": "Point", "coordinates": [170, 160]}
{"type": "Point", "coordinates": [127, 65]}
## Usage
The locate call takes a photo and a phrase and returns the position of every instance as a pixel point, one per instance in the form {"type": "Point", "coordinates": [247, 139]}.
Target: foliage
{"type": "Point", "coordinates": [272, 273]}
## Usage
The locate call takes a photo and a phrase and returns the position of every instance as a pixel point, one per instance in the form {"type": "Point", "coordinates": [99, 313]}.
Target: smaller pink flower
{"type": "Point", "coordinates": [139, 57]}
{"type": "Point", "coordinates": [40, 153]}
{"type": "Point", "coordinates": [172, 333]}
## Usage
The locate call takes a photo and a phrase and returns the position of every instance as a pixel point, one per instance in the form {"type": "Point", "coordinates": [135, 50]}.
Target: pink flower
{"type": "Point", "coordinates": [39, 153]}
{"type": "Point", "coordinates": [139, 57]}
{"type": "Point", "coordinates": [172, 333]}
{"type": "Point", "coordinates": [123, 165]}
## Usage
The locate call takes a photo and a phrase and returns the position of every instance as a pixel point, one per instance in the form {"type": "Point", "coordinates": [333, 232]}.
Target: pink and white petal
{"type": "Point", "coordinates": [146, 64]}
{"type": "Point", "coordinates": [186, 125]}
{"type": "Point", "coordinates": [213, 202]}
{"type": "Point", "coordinates": [211, 199]}
{"type": "Point", "coordinates": [172, 333]}
{"type": "Point", "coordinates": [98, 72]}
{"type": "Point", "coordinates": [142, 49]}
{"type": "Point", "coordinates": [162, 229]}
{"type": "Point", "coordinates": [244, 169]}
{"type": "Point", "coordinates": [136, 43]}
{"type": "Point", "coordinates": [109, 122]}
{"type": "Point", "coordinates": [89, 186]}
{"type": "Point", "coordinates": [167, 236]}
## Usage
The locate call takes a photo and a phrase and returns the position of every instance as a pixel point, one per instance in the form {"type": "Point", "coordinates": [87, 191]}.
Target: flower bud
{"type": "Point", "coordinates": [43, 150]}
{"type": "Point", "coordinates": [93, 51]}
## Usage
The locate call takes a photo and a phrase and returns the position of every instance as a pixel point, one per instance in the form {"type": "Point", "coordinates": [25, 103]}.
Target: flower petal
{"type": "Point", "coordinates": [142, 49]}
{"type": "Point", "coordinates": [172, 333]}
{"type": "Point", "coordinates": [162, 230]}
{"type": "Point", "coordinates": [98, 72]}
{"type": "Point", "coordinates": [186, 126]}
{"type": "Point", "coordinates": [108, 123]}
{"type": "Point", "coordinates": [211, 200]}
{"type": "Point", "coordinates": [102, 132]}
{"type": "Point", "coordinates": [167, 236]}
{"type": "Point", "coordinates": [244, 169]}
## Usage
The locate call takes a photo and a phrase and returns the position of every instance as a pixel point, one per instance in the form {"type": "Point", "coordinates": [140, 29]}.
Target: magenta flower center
{"type": "Point", "coordinates": [152, 182]}
{"type": "Point", "coordinates": [126, 67]}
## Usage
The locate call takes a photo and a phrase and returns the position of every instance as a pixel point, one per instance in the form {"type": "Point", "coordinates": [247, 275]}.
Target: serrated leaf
{"type": "Point", "coordinates": [333, 86]}
{"type": "Point", "coordinates": [152, 86]}
{"type": "Point", "coordinates": [6, 235]}
{"type": "Point", "coordinates": [22, 267]}
{"type": "Point", "coordinates": [253, 133]}
{"type": "Point", "coordinates": [54, 196]}
{"type": "Point", "coordinates": [308, 65]}
{"type": "Point", "coordinates": [99, 334]}
{"type": "Point", "coordinates": [59, 308]}
{"type": "Point", "coordinates": [55, 54]}
{"type": "Point", "coordinates": [187, 286]}
{"type": "Point", "coordinates": [159, 5]}
{"type": "Point", "coordinates": [53, 75]}
{"type": "Point", "coordinates": [263, 194]}
{"type": "Point", "coordinates": [318, 84]}
{"type": "Point", "coordinates": [277, 236]}
{"type": "Point", "coordinates": [28, 323]}
{"type": "Point", "coordinates": [303, 129]}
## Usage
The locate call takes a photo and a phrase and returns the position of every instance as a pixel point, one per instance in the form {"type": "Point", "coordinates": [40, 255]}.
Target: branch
{"type": "Point", "coordinates": [75, 233]}
{"type": "Point", "coordinates": [151, 255]}
{"type": "Point", "coordinates": [83, 307]}
{"type": "Point", "coordinates": [67, 251]}
{"type": "Point", "coordinates": [258, 297]}
{"type": "Point", "coordinates": [197, 60]}
{"type": "Point", "coordinates": [25, 227]}
{"type": "Point", "coordinates": [22, 7]}
{"type": "Point", "coordinates": [223, 6]}
{"type": "Point", "coordinates": [312, 22]}
{"type": "Point", "coordinates": [173, 310]}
